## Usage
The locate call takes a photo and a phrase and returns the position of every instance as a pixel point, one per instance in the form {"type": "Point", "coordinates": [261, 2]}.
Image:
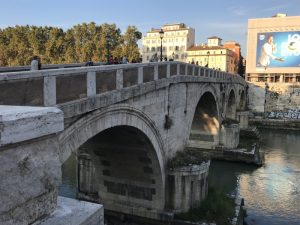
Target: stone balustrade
{"type": "Point", "coordinates": [52, 87]}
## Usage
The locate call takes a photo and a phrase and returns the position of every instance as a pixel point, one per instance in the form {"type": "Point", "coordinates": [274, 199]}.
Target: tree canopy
{"type": "Point", "coordinates": [81, 43]}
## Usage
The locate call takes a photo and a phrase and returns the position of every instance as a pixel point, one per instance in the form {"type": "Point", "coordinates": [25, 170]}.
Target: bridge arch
{"type": "Point", "coordinates": [205, 124]}
{"type": "Point", "coordinates": [139, 193]}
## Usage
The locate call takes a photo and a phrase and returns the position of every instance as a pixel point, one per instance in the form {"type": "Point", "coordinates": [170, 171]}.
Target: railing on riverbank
{"type": "Point", "coordinates": [56, 86]}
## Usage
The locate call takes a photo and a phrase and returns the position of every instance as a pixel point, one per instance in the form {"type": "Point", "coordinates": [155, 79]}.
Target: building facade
{"type": "Point", "coordinates": [282, 64]}
{"type": "Point", "coordinates": [214, 55]}
{"type": "Point", "coordinates": [177, 38]}
{"type": "Point", "coordinates": [273, 67]}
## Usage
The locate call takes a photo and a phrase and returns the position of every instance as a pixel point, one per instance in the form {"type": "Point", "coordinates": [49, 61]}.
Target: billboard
{"type": "Point", "coordinates": [278, 49]}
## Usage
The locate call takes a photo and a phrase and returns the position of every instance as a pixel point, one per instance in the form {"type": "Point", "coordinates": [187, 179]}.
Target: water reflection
{"type": "Point", "coordinates": [271, 192]}
{"type": "Point", "coordinates": [68, 186]}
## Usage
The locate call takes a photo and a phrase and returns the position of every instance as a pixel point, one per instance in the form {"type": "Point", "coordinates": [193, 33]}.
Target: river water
{"type": "Point", "coordinates": [271, 192]}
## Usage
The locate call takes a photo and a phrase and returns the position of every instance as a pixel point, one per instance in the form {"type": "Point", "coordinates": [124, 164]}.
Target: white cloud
{"type": "Point", "coordinates": [277, 7]}
{"type": "Point", "coordinates": [229, 27]}
{"type": "Point", "coordinates": [237, 11]}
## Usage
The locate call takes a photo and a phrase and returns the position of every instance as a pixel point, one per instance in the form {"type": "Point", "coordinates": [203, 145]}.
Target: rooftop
{"type": "Point", "coordinates": [214, 37]}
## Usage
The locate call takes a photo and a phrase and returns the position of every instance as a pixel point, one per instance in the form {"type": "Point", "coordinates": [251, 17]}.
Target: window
{"type": "Point", "coordinates": [148, 57]}
{"type": "Point", "coordinates": [147, 50]}
{"type": "Point", "coordinates": [153, 49]}
{"type": "Point", "coordinates": [182, 56]}
{"type": "Point", "coordinates": [171, 48]}
{"type": "Point", "coordinates": [288, 79]}
{"type": "Point", "coordinates": [261, 79]}
{"type": "Point", "coordinates": [176, 48]}
{"type": "Point", "coordinates": [176, 56]}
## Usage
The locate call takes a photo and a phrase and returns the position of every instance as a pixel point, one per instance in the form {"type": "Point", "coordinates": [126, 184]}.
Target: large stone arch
{"type": "Point", "coordinates": [111, 117]}
{"type": "Point", "coordinates": [204, 130]}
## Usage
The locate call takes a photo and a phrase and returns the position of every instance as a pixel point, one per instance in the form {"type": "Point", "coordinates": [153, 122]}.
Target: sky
{"type": "Point", "coordinates": [225, 19]}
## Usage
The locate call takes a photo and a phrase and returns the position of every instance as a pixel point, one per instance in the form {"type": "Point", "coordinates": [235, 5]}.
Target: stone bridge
{"type": "Point", "coordinates": [123, 122]}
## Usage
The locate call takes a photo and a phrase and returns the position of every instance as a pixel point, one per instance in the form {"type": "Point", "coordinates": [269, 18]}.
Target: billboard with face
{"type": "Point", "coordinates": [278, 49]}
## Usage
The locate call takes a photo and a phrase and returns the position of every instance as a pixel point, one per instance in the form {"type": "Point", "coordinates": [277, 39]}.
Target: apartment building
{"type": "Point", "coordinates": [215, 55]}
{"type": "Point", "coordinates": [176, 39]}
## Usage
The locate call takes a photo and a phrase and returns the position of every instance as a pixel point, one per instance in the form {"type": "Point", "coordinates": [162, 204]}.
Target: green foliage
{"type": "Point", "coordinates": [81, 43]}
{"type": "Point", "coordinates": [229, 121]}
{"type": "Point", "coordinates": [217, 207]}
{"type": "Point", "coordinates": [186, 158]}
{"type": "Point", "coordinates": [247, 143]}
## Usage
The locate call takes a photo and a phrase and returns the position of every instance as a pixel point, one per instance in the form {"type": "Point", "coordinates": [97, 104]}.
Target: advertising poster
{"type": "Point", "coordinates": [278, 49]}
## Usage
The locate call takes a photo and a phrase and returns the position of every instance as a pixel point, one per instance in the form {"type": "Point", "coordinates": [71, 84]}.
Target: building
{"type": "Point", "coordinates": [177, 38]}
{"type": "Point", "coordinates": [273, 67]}
{"type": "Point", "coordinates": [235, 47]}
{"type": "Point", "coordinates": [215, 55]}
{"type": "Point", "coordinates": [284, 65]}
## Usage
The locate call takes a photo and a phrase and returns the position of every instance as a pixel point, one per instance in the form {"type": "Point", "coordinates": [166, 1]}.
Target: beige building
{"type": "Point", "coordinates": [283, 34]}
{"type": "Point", "coordinates": [214, 55]}
{"type": "Point", "coordinates": [177, 38]}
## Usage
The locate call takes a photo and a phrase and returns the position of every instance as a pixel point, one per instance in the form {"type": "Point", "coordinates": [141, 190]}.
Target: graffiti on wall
{"type": "Point", "coordinates": [293, 114]}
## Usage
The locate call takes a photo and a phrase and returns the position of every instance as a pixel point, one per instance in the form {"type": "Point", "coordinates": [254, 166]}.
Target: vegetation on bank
{"type": "Point", "coordinates": [247, 143]}
{"type": "Point", "coordinates": [186, 158]}
{"type": "Point", "coordinates": [217, 207]}
{"type": "Point", "coordinates": [81, 43]}
{"type": "Point", "coordinates": [229, 121]}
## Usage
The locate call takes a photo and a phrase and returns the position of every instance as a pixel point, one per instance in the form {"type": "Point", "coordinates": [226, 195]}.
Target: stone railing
{"type": "Point", "coordinates": [8, 69]}
{"type": "Point", "coordinates": [57, 86]}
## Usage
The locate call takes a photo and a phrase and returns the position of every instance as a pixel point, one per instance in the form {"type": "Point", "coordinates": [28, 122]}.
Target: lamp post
{"type": "Point", "coordinates": [208, 53]}
{"type": "Point", "coordinates": [161, 35]}
{"type": "Point", "coordinates": [107, 37]}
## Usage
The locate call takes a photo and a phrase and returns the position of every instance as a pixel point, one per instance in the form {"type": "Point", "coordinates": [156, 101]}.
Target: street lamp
{"type": "Point", "coordinates": [107, 37]}
{"type": "Point", "coordinates": [208, 53]}
{"type": "Point", "coordinates": [161, 35]}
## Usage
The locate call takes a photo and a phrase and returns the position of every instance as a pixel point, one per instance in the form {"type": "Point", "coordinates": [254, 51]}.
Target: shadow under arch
{"type": "Point", "coordinates": [205, 125]}
{"type": "Point", "coordinates": [242, 102]}
{"type": "Point", "coordinates": [139, 184]}
{"type": "Point", "coordinates": [231, 105]}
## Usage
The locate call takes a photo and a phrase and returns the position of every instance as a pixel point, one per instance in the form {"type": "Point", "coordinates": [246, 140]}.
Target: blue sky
{"type": "Point", "coordinates": [226, 19]}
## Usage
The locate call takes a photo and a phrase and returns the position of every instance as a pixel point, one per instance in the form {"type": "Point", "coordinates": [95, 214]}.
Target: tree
{"type": "Point", "coordinates": [130, 47]}
{"type": "Point", "coordinates": [241, 67]}
{"type": "Point", "coordinates": [81, 43]}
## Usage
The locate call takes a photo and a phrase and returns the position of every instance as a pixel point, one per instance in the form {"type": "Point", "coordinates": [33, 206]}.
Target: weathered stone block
{"type": "Point", "coordinates": [30, 174]}
{"type": "Point", "coordinates": [71, 211]}
{"type": "Point", "coordinates": [21, 123]}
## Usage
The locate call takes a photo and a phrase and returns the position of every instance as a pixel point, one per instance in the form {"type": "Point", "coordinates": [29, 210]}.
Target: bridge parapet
{"type": "Point", "coordinates": [59, 86]}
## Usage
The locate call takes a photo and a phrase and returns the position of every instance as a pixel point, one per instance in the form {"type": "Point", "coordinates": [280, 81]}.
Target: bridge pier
{"type": "Point", "coordinates": [186, 187]}
{"type": "Point", "coordinates": [230, 135]}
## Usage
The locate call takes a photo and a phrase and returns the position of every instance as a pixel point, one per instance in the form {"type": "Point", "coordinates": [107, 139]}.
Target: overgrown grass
{"type": "Point", "coordinates": [186, 158]}
{"type": "Point", "coordinates": [217, 207]}
{"type": "Point", "coordinates": [247, 143]}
